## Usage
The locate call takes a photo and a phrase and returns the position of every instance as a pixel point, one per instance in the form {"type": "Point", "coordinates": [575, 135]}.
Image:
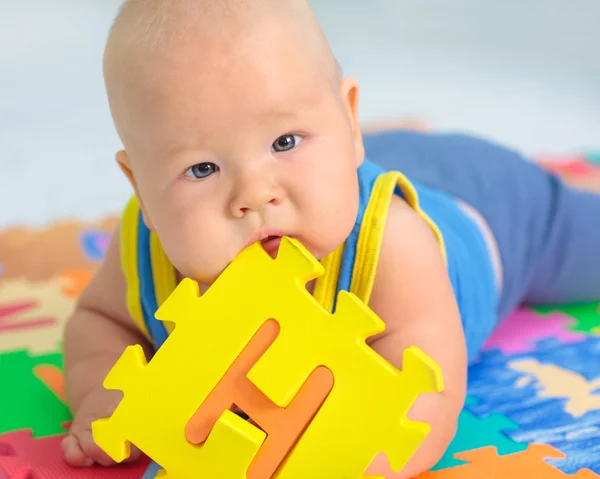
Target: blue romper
{"type": "Point", "coordinates": [151, 278]}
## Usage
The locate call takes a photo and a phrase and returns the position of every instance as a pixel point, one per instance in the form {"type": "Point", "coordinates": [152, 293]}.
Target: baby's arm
{"type": "Point", "coordinates": [95, 336]}
{"type": "Point", "coordinates": [413, 295]}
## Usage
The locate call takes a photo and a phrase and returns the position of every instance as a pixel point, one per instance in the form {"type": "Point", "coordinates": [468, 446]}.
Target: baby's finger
{"type": "Point", "coordinates": [93, 451]}
{"type": "Point", "coordinates": [134, 456]}
{"type": "Point", "coordinates": [74, 455]}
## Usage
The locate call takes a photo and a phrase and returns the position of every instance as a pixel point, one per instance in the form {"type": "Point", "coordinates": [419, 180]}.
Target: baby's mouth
{"type": "Point", "coordinates": [269, 238]}
{"type": "Point", "coordinates": [271, 245]}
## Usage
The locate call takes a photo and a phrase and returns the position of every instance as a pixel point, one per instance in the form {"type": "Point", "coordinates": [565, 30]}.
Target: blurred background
{"type": "Point", "coordinates": [526, 73]}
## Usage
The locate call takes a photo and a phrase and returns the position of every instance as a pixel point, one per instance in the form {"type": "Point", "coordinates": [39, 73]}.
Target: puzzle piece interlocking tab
{"type": "Point", "coordinates": [364, 414]}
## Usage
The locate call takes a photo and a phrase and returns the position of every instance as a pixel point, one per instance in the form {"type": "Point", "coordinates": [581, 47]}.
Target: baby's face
{"type": "Point", "coordinates": [226, 150]}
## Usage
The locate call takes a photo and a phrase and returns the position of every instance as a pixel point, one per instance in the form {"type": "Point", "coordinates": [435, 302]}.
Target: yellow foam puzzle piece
{"type": "Point", "coordinates": [364, 414]}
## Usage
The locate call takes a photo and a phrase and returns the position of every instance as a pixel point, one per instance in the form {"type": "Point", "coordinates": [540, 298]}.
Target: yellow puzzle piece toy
{"type": "Point", "coordinates": [364, 413]}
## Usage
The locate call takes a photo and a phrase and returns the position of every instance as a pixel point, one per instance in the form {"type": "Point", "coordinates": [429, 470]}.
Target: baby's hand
{"type": "Point", "coordinates": [78, 446]}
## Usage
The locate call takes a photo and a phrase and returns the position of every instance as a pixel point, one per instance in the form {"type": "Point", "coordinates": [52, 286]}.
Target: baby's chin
{"type": "Point", "coordinates": [204, 279]}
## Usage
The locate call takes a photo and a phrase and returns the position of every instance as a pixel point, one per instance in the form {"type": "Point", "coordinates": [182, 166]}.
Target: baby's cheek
{"type": "Point", "coordinates": [342, 209]}
{"type": "Point", "coordinates": [201, 251]}
{"type": "Point", "coordinates": [178, 242]}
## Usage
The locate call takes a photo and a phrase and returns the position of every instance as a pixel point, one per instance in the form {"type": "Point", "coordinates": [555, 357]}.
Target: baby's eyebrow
{"type": "Point", "coordinates": [174, 150]}
{"type": "Point", "coordinates": [287, 114]}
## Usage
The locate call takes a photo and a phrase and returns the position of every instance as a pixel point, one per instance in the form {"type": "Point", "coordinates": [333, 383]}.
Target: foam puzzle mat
{"type": "Point", "coordinates": [533, 409]}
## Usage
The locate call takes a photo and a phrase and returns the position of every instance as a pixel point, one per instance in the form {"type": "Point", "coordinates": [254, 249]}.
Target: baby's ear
{"type": "Point", "coordinates": [125, 165]}
{"type": "Point", "coordinates": [349, 94]}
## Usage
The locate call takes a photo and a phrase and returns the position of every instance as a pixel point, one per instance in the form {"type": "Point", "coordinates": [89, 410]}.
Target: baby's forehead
{"type": "Point", "coordinates": [185, 96]}
{"type": "Point", "coordinates": [249, 68]}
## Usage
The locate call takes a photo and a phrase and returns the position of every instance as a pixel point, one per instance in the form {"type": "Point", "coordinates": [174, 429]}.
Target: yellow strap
{"type": "Point", "coordinates": [129, 263]}
{"type": "Point", "coordinates": [371, 233]}
{"type": "Point", "coordinates": [326, 285]}
{"type": "Point", "coordinates": [163, 274]}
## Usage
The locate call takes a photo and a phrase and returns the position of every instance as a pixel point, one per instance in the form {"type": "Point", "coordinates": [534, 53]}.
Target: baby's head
{"type": "Point", "coordinates": [236, 125]}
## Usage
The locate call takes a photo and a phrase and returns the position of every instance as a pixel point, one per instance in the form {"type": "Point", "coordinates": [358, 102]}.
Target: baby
{"type": "Point", "coordinates": [238, 127]}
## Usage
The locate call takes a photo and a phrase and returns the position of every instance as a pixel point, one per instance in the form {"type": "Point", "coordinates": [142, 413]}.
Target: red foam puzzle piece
{"type": "Point", "coordinates": [572, 165]}
{"type": "Point", "coordinates": [22, 457]}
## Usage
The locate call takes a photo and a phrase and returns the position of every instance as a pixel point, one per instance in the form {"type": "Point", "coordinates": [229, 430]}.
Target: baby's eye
{"type": "Point", "coordinates": [286, 143]}
{"type": "Point", "coordinates": [201, 170]}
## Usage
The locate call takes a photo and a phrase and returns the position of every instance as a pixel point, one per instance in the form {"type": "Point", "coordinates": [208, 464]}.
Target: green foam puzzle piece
{"type": "Point", "coordinates": [586, 315]}
{"type": "Point", "coordinates": [593, 157]}
{"type": "Point", "coordinates": [475, 432]}
{"type": "Point", "coordinates": [25, 402]}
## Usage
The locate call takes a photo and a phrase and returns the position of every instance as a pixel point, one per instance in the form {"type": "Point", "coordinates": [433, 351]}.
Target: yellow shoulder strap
{"type": "Point", "coordinates": [129, 263]}
{"type": "Point", "coordinates": [373, 225]}
{"type": "Point", "coordinates": [326, 285]}
{"type": "Point", "coordinates": [163, 274]}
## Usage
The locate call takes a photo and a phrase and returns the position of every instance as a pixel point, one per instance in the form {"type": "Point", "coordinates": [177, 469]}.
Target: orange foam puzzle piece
{"type": "Point", "coordinates": [77, 279]}
{"type": "Point", "coordinates": [527, 464]}
{"type": "Point", "coordinates": [283, 425]}
{"type": "Point", "coordinates": [53, 378]}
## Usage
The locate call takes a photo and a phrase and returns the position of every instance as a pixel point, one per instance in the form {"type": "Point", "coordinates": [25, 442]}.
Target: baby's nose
{"type": "Point", "coordinates": [253, 197]}
{"type": "Point", "coordinates": [256, 205]}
